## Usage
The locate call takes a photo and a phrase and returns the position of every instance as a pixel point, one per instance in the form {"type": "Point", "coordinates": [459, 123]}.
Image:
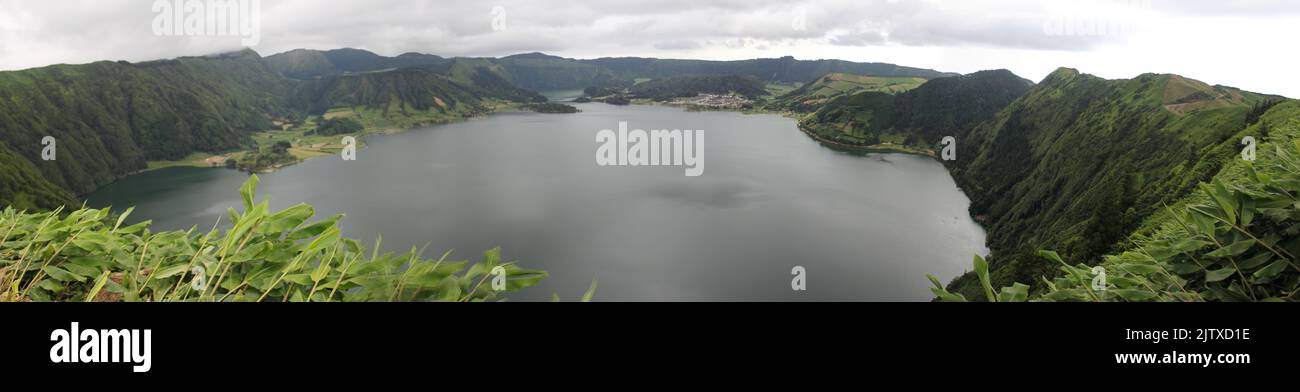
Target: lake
{"type": "Point", "coordinates": [864, 227]}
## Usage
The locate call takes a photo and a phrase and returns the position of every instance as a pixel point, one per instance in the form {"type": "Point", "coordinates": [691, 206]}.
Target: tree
{"type": "Point", "coordinates": [281, 147]}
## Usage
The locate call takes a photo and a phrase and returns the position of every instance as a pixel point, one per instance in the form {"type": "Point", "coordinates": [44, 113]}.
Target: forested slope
{"type": "Point", "coordinates": [1079, 162]}
{"type": "Point", "coordinates": [109, 118]}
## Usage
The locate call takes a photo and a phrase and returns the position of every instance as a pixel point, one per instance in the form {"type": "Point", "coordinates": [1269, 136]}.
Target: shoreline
{"type": "Point", "coordinates": [878, 148]}
{"type": "Point", "coordinates": [511, 108]}
{"type": "Point", "coordinates": [315, 153]}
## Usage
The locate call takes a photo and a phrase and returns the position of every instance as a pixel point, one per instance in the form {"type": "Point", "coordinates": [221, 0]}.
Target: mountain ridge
{"type": "Point", "coordinates": [540, 71]}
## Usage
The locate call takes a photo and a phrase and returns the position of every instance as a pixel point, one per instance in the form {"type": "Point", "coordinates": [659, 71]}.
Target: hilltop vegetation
{"type": "Point", "coordinates": [812, 96]}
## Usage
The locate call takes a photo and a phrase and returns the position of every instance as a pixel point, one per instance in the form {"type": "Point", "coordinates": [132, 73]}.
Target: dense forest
{"type": "Point", "coordinates": [1079, 162]}
{"type": "Point", "coordinates": [1231, 239]}
{"type": "Point", "coordinates": [109, 118]}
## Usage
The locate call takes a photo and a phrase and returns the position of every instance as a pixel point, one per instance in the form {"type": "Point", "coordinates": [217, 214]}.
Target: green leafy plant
{"type": "Point", "coordinates": [1016, 293]}
{"type": "Point", "coordinates": [86, 255]}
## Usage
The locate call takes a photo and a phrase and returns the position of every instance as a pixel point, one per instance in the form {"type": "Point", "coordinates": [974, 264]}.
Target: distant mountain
{"type": "Point", "coordinates": [411, 96]}
{"type": "Point", "coordinates": [309, 64]}
{"type": "Point", "coordinates": [785, 69]}
{"type": "Point", "coordinates": [537, 71]}
{"type": "Point", "coordinates": [542, 72]}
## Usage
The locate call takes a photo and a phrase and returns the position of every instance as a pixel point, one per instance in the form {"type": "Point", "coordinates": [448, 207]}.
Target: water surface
{"type": "Point", "coordinates": [864, 227]}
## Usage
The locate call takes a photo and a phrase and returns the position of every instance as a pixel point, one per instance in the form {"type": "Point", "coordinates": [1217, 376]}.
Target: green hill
{"type": "Point", "coordinates": [1079, 162]}
{"type": "Point", "coordinates": [690, 86]}
{"type": "Point", "coordinates": [109, 118]}
{"type": "Point", "coordinates": [1232, 239]}
{"type": "Point", "coordinates": [1076, 164]}
{"type": "Point", "coordinates": [921, 116]}
{"type": "Point", "coordinates": [811, 96]}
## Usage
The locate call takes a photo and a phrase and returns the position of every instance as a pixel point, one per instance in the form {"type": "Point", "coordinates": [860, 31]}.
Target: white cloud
{"type": "Point", "coordinates": [1240, 43]}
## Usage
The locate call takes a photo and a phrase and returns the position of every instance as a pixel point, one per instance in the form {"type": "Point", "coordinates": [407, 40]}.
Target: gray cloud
{"type": "Point", "coordinates": [84, 30]}
{"type": "Point", "coordinates": [35, 33]}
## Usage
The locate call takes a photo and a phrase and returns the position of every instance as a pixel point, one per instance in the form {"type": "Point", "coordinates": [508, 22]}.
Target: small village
{"type": "Point", "coordinates": [716, 101]}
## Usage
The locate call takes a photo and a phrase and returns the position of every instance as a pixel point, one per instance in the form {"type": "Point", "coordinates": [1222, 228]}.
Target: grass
{"type": "Point", "coordinates": [777, 89]}
{"type": "Point", "coordinates": [838, 84]}
{"type": "Point", "coordinates": [197, 159]}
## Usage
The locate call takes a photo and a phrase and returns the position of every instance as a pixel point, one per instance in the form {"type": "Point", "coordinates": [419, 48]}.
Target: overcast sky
{"type": "Point", "coordinates": [1243, 43]}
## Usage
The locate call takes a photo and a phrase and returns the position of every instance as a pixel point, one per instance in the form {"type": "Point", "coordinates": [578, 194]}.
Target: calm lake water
{"type": "Point", "coordinates": [866, 228]}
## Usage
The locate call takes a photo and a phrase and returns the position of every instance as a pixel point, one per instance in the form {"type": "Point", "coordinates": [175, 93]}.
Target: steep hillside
{"type": "Point", "coordinates": [1079, 162]}
{"type": "Point", "coordinates": [24, 188]}
{"type": "Point", "coordinates": [952, 106]}
{"type": "Point", "coordinates": [109, 118]}
{"type": "Point", "coordinates": [1233, 239]}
